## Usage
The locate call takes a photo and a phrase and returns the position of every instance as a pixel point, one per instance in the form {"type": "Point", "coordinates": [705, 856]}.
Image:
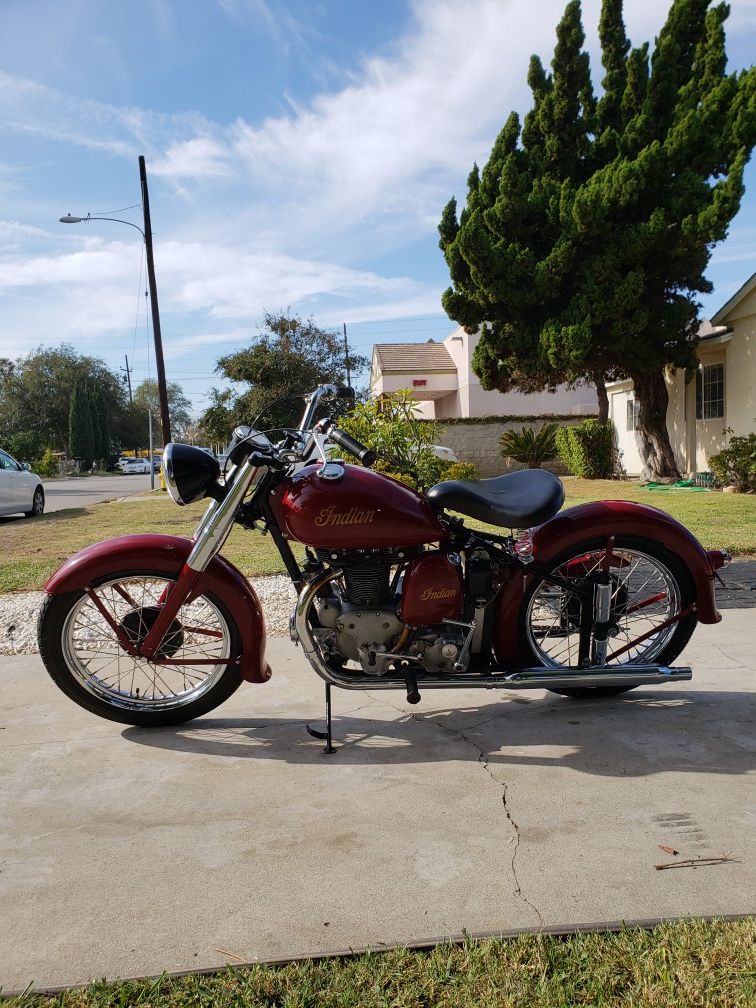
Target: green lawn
{"type": "Point", "coordinates": [680, 965]}
{"type": "Point", "coordinates": [31, 550]}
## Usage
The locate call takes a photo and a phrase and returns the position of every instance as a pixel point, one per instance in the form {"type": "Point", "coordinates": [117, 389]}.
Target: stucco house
{"type": "Point", "coordinates": [442, 380]}
{"type": "Point", "coordinates": [722, 394]}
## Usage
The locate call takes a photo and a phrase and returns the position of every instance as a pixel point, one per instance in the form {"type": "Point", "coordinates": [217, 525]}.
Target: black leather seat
{"type": "Point", "coordinates": [517, 500]}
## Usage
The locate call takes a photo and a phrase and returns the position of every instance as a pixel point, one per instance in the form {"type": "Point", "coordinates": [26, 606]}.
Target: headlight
{"type": "Point", "coordinates": [190, 473]}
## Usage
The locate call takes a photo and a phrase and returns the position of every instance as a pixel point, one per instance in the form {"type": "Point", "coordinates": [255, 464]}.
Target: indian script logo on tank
{"type": "Point", "coordinates": [354, 516]}
{"type": "Point", "coordinates": [440, 593]}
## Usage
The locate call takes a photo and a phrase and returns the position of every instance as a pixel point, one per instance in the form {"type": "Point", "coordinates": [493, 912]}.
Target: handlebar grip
{"type": "Point", "coordinates": [366, 455]}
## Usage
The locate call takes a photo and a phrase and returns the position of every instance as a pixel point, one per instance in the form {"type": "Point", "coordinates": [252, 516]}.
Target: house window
{"type": "Point", "coordinates": [633, 411]}
{"type": "Point", "coordinates": [710, 392]}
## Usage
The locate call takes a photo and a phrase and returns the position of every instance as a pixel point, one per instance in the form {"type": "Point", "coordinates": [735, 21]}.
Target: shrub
{"type": "Point", "coordinates": [533, 448]}
{"type": "Point", "coordinates": [736, 464]}
{"type": "Point", "coordinates": [461, 471]}
{"type": "Point", "coordinates": [404, 443]}
{"type": "Point", "coordinates": [48, 464]}
{"type": "Point", "coordinates": [587, 448]}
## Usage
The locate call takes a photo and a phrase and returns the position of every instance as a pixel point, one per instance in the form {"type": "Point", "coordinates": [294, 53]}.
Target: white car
{"type": "Point", "coordinates": [137, 465]}
{"type": "Point", "coordinates": [447, 454]}
{"type": "Point", "coordinates": [21, 491]}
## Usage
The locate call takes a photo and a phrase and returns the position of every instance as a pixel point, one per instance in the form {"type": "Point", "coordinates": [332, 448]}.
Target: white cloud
{"type": "Point", "coordinates": [200, 157]}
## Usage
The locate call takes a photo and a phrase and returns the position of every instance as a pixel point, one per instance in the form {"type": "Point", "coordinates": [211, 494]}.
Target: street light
{"type": "Point", "coordinates": [147, 236]}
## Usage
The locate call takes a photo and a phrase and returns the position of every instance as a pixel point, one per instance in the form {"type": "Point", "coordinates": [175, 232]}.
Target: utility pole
{"type": "Point", "coordinates": [346, 357]}
{"type": "Point", "coordinates": [127, 369]}
{"type": "Point", "coordinates": [165, 422]}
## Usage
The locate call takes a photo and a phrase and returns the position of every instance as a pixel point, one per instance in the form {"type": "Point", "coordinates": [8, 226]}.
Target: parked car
{"type": "Point", "coordinates": [157, 461]}
{"type": "Point", "coordinates": [21, 491]}
{"type": "Point", "coordinates": [447, 454]}
{"type": "Point", "coordinates": [121, 463]}
{"type": "Point", "coordinates": [136, 465]}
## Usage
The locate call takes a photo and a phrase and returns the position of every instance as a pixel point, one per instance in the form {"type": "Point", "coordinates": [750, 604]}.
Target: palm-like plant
{"type": "Point", "coordinates": [530, 447]}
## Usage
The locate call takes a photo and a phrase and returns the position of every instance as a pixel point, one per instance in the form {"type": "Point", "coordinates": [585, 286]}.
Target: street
{"type": "Point", "coordinates": [78, 492]}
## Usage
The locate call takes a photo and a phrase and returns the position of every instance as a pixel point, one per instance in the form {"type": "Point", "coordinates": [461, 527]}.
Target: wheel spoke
{"type": "Point", "coordinates": [124, 610]}
{"type": "Point", "coordinates": [644, 598]}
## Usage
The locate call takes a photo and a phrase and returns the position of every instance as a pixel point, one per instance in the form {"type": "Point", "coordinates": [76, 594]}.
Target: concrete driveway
{"type": "Point", "coordinates": [127, 852]}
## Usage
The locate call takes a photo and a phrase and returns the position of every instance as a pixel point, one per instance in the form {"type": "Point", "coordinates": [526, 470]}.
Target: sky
{"type": "Point", "coordinates": [299, 154]}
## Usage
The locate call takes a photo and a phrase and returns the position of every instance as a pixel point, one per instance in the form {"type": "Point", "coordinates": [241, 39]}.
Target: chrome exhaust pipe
{"type": "Point", "coordinates": [538, 677]}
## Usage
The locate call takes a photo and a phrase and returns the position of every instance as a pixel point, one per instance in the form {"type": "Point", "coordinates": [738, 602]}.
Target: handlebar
{"type": "Point", "coordinates": [366, 455]}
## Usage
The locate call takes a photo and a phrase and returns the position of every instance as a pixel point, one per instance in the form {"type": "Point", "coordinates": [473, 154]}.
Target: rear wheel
{"type": "Point", "coordinates": [192, 674]}
{"type": "Point", "coordinates": [649, 586]}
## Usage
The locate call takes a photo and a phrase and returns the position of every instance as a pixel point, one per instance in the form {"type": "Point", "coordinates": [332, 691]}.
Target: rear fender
{"type": "Point", "coordinates": [606, 518]}
{"type": "Point", "coordinates": [167, 555]}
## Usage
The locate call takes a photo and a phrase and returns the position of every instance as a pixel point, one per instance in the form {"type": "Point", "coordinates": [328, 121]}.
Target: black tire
{"type": "Point", "coordinates": [676, 638]}
{"type": "Point", "coordinates": [38, 504]}
{"type": "Point", "coordinates": [53, 630]}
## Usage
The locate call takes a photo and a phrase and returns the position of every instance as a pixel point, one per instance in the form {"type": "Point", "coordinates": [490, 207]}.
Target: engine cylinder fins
{"type": "Point", "coordinates": [367, 573]}
{"type": "Point", "coordinates": [367, 583]}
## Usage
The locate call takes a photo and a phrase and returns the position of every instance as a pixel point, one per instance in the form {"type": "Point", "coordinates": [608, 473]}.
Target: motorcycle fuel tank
{"type": "Point", "coordinates": [360, 510]}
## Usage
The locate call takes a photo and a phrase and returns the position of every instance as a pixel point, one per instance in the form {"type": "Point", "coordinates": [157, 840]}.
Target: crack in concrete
{"type": "Point", "coordinates": [483, 761]}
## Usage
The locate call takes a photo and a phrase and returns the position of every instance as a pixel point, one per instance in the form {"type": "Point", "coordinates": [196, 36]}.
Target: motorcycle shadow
{"type": "Point", "coordinates": [641, 734]}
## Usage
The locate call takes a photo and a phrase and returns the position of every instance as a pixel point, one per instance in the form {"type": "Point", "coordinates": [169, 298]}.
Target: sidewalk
{"type": "Point", "coordinates": [126, 852]}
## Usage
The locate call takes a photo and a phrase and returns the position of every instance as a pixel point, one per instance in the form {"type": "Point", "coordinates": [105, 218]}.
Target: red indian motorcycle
{"type": "Point", "coordinates": [395, 592]}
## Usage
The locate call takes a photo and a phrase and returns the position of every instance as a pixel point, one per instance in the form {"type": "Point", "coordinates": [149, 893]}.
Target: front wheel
{"type": "Point", "coordinates": [197, 667]}
{"type": "Point", "coordinates": [649, 587]}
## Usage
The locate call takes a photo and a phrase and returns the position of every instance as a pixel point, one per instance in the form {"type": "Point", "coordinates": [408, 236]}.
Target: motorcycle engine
{"type": "Point", "coordinates": [363, 620]}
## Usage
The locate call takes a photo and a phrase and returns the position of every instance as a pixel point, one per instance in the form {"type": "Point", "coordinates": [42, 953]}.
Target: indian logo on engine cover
{"type": "Point", "coordinates": [441, 593]}
{"type": "Point", "coordinates": [354, 516]}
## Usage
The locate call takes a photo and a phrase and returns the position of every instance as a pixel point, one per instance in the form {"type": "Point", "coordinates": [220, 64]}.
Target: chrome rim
{"type": "Point", "coordinates": [645, 594]}
{"type": "Point", "coordinates": [99, 664]}
{"type": "Point", "coordinates": [39, 502]}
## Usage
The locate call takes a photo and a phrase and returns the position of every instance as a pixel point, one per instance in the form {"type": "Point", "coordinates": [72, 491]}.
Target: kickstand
{"type": "Point", "coordinates": [326, 735]}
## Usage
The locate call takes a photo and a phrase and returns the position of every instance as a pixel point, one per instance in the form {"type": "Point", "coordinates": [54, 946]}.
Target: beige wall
{"type": "Point", "coordinates": [740, 373]}
{"type": "Point", "coordinates": [470, 400]}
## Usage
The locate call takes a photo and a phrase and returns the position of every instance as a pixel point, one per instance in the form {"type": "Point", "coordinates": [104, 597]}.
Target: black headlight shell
{"type": "Point", "coordinates": [191, 473]}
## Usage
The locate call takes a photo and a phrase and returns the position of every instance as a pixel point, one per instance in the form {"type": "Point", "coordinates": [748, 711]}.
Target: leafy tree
{"type": "Point", "coordinates": [583, 243]}
{"type": "Point", "coordinates": [147, 397]}
{"type": "Point", "coordinates": [217, 422]}
{"type": "Point", "coordinates": [35, 393]}
{"type": "Point", "coordinates": [81, 435]}
{"type": "Point", "coordinates": [294, 356]}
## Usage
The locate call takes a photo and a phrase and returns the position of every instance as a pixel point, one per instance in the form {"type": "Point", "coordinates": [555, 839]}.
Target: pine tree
{"type": "Point", "coordinates": [80, 430]}
{"type": "Point", "coordinates": [101, 435]}
{"type": "Point", "coordinates": [583, 245]}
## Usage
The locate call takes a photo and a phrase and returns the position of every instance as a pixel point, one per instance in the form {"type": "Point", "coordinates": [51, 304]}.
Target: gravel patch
{"type": "Point", "coordinates": [19, 612]}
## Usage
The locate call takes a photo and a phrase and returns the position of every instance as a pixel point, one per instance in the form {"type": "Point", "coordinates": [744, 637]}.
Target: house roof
{"type": "Point", "coordinates": [412, 357]}
{"type": "Point", "coordinates": [736, 298]}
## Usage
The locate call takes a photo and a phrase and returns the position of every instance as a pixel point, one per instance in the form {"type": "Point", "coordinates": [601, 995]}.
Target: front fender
{"type": "Point", "coordinates": [607, 518]}
{"type": "Point", "coordinates": [167, 555]}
